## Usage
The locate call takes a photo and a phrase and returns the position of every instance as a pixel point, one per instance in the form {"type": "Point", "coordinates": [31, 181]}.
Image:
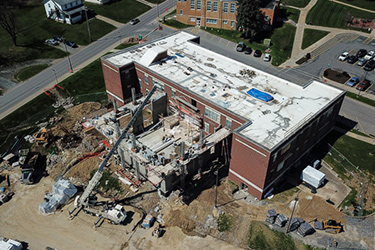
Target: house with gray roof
{"type": "Point", "coordinates": [65, 11]}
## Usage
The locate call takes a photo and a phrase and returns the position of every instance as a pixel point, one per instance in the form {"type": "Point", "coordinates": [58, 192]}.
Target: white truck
{"type": "Point", "coordinates": [313, 177]}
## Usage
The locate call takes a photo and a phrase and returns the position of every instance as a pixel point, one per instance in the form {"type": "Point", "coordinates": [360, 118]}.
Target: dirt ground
{"type": "Point", "coordinates": [20, 219]}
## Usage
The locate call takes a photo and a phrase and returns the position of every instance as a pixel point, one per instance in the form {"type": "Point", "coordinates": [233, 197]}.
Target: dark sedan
{"type": "Point", "coordinates": [362, 86]}
{"type": "Point", "coordinates": [361, 53]}
{"type": "Point", "coordinates": [369, 65]}
{"type": "Point", "coordinates": [352, 59]}
{"type": "Point", "coordinates": [257, 53]}
{"type": "Point", "coordinates": [248, 51]}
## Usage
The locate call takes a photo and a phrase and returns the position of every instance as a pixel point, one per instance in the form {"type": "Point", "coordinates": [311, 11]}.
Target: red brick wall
{"type": "Point", "coordinates": [218, 15]}
{"type": "Point", "coordinates": [250, 163]}
{"type": "Point", "coordinates": [112, 81]}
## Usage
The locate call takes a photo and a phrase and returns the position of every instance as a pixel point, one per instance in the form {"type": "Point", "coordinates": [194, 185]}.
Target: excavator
{"type": "Point", "coordinates": [113, 214]}
{"type": "Point", "coordinates": [332, 226]}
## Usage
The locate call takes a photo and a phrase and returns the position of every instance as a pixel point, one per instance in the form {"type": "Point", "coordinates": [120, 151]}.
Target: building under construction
{"type": "Point", "coordinates": [211, 107]}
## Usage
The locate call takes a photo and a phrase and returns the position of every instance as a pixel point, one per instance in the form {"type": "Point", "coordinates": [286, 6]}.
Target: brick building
{"type": "Point", "coordinates": [274, 122]}
{"type": "Point", "coordinates": [218, 14]}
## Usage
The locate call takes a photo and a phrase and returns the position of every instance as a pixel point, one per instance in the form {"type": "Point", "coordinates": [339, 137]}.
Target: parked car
{"type": "Point", "coordinates": [344, 56]}
{"type": "Point", "coordinates": [353, 81]}
{"type": "Point", "coordinates": [257, 53]}
{"type": "Point", "coordinates": [362, 61]}
{"type": "Point", "coordinates": [134, 21]}
{"type": "Point", "coordinates": [267, 57]}
{"type": "Point", "coordinates": [370, 65]}
{"type": "Point", "coordinates": [362, 86]}
{"type": "Point", "coordinates": [71, 44]}
{"type": "Point", "coordinates": [51, 42]}
{"type": "Point", "coordinates": [361, 53]}
{"type": "Point", "coordinates": [248, 50]}
{"type": "Point", "coordinates": [59, 38]}
{"type": "Point", "coordinates": [352, 59]}
{"type": "Point", "coordinates": [240, 47]}
{"type": "Point", "coordinates": [369, 55]}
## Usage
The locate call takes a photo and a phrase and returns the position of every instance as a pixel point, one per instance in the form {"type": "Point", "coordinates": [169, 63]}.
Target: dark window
{"type": "Point", "coordinates": [193, 102]}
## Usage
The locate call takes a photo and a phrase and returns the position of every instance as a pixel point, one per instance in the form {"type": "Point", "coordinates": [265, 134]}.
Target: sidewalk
{"type": "Point", "coordinates": [356, 136]}
{"type": "Point", "coordinates": [110, 21]}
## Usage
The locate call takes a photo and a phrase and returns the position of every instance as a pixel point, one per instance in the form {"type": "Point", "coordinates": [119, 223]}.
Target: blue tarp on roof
{"type": "Point", "coordinates": [260, 95]}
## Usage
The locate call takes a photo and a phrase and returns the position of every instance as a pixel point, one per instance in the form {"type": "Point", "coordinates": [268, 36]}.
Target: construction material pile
{"type": "Point", "coordinates": [305, 229]}
{"type": "Point", "coordinates": [271, 216]}
{"type": "Point", "coordinates": [318, 225]}
{"type": "Point", "coordinates": [62, 191]}
{"type": "Point", "coordinates": [295, 223]}
{"type": "Point", "coordinates": [281, 220]}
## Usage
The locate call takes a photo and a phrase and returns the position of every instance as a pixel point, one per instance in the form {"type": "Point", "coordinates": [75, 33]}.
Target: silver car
{"type": "Point", "coordinates": [362, 61]}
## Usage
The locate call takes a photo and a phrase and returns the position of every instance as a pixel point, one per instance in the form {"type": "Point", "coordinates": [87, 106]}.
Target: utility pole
{"type": "Point", "coordinates": [70, 63]}
{"type": "Point", "coordinates": [217, 183]}
{"type": "Point", "coordinates": [88, 25]}
{"type": "Point", "coordinates": [291, 217]}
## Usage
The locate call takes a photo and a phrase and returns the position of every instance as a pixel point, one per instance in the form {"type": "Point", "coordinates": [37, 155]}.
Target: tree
{"type": "Point", "coordinates": [249, 17]}
{"type": "Point", "coordinates": [8, 18]}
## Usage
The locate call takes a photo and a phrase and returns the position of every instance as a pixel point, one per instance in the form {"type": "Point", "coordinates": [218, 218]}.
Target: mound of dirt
{"type": "Point", "coordinates": [81, 171]}
{"type": "Point", "coordinates": [84, 110]}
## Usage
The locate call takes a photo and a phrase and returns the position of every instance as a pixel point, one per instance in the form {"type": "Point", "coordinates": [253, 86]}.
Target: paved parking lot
{"type": "Point", "coordinates": [329, 58]}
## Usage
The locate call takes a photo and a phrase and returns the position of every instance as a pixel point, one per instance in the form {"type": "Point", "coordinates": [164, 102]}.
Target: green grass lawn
{"type": "Point", "coordinates": [30, 71]}
{"type": "Point", "coordinates": [356, 151]}
{"type": "Point", "coordinates": [121, 11]}
{"type": "Point", "coordinates": [282, 43]}
{"type": "Point", "coordinates": [331, 14]}
{"type": "Point", "coordinates": [361, 98]}
{"type": "Point", "coordinates": [176, 24]}
{"type": "Point", "coordinates": [85, 85]}
{"type": "Point", "coordinates": [296, 3]}
{"type": "Point", "coordinates": [36, 28]}
{"type": "Point", "coordinates": [366, 4]}
{"type": "Point", "coordinates": [311, 36]}
{"type": "Point", "coordinates": [125, 45]}
{"type": "Point", "coordinates": [292, 14]}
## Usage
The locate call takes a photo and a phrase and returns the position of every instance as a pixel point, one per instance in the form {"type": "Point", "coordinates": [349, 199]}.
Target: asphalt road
{"type": "Point", "coordinates": [33, 87]}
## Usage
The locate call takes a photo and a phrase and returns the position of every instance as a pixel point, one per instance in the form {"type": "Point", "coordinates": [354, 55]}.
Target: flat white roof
{"type": "Point", "coordinates": [225, 81]}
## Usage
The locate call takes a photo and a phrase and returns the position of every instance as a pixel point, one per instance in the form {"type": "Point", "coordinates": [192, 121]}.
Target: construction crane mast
{"type": "Point", "coordinates": [83, 200]}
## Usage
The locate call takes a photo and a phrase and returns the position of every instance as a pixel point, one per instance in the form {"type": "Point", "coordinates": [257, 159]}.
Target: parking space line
{"type": "Point", "coordinates": [220, 40]}
{"type": "Point", "coordinates": [351, 51]}
{"type": "Point", "coordinates": [198, 31]}
{"type": "Point", "coordinates": [227, 44]}
{"type": "Point", "coordinates": [212, 37]}
{"type": "Point", "coordinates": [327, 49]}
{"type": "Point", "coordinates": [370, 41]}
{"type": "Point", "coordinates": [192, 29]}
{"type": "Point", "coordinates": [345, 115]}
{"type": "Point", "coordinates": [360, 125]}
{"type": "Point", "coordinates": [369, 87]}
{"type": "Point", "coordinates": [205, 34]}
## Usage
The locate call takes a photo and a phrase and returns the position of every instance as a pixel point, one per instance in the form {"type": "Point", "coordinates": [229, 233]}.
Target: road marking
{"type": "Point", "coordinates": [192, 29]}
{"type": "Point", "coordinates": [351, 51]}
{"type": "Point", "coordinates": [327, 49]}
{"type": "Point", "coordinates": [369, 87]}
{"type": "Point", "coordinates": [370, 41]}
{"type": "Point", "coordinates": [345, 115]}
{"type": "Point", "coordinates": [220, 40]}
{"type": "Point", "coordinates": [212, 37]}
{"type": "Point", "coordinates": [198, 31]}
{"type": "Point", "coordinates": [205, 34]}
{"type": "Point", "coordinates": [227, 44]}
{"type": "Point", "coordinates": [360, 125]}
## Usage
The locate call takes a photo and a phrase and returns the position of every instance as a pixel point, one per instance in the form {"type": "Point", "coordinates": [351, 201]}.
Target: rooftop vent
{"type": "Point", "coordinates": [154, 54]}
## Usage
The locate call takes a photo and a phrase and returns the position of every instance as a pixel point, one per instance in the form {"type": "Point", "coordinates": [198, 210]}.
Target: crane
{"type": "Point", "coordinates": [83, 200]}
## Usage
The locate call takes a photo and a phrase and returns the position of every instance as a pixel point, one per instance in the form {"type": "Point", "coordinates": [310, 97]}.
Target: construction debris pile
{"type": "Point", "coordinates": [62, 191]}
